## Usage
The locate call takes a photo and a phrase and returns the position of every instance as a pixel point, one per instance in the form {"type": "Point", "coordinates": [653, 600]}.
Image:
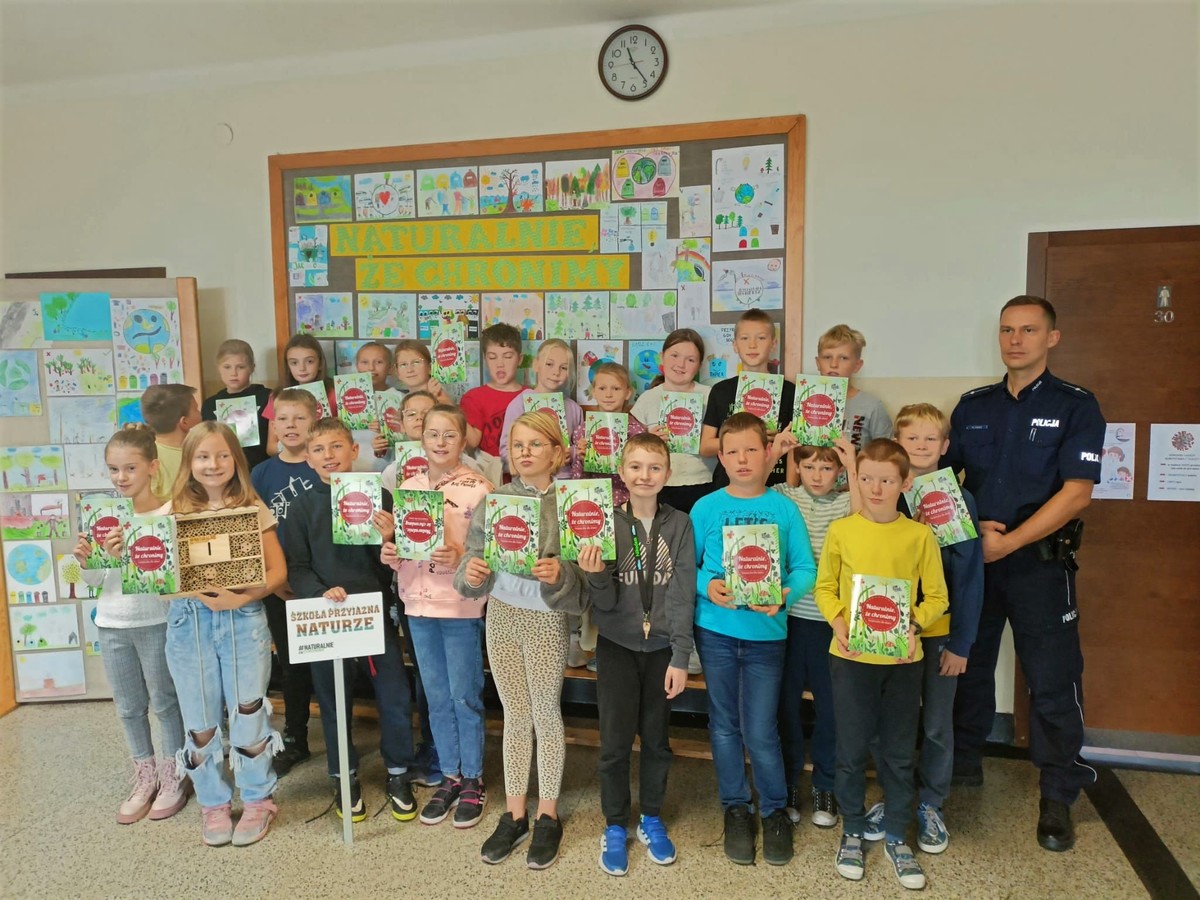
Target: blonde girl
{"type": "Point", "coordinates": [553, 373]}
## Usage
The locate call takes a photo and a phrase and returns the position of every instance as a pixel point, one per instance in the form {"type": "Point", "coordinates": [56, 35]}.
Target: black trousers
{"type": "Point", "coordinates": [296, 677]}
{"type": "Point", "coordinates": [632, 701]}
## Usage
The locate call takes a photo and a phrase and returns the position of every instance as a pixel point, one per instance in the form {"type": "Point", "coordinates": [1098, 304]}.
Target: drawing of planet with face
{"type": "Point", "coordinates": [146, 331]}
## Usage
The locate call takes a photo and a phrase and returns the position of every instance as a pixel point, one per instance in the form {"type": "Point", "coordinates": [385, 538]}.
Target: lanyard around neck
{"type": "Point", "coordinates": [644, 568]}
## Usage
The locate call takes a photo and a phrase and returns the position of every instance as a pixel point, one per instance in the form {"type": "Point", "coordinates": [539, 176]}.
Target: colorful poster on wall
{"type": "Point", "coordinates": [322, 198]}
{"type": "Point", "coordinates": [85, 466]}
{"type": "Point", "coordinates": [325, 315]}
{"type": "Point", "coordinates": [21, 325]}
{"type": "Point", "coordinates": [638, 315]}
{"type": "Point", "coordinates": [651, 173]}
{"type": "Point", "coordinates": [54, 626]}
{"type": "Point", "coordinates": [658, 258]}
{"type": "Point", "coordinates": [91, 634]}
{"type": "Point", "coordinates": [695, 211]}
{"type": "Point", "coordinates": [345, 353]}
{"type": "Point", "coordinates": [461, 308]}
{"type": "Point", "coordinates": [34, 468]}
{"type": "Point", "coordinates": [146, 342]}
{"type": "Point", "coordinates": [387, 316]}
{"type": "Point", "coordinates": [78, 372]}
{"type": "Point", "coordinates": [1117, 463]}
{"type": "Point", "coordinates": [34, 517]}
{"type": "Point", "coordinates": [20, 384]}
{"type": "Point", "coordinates": [589, 355]}
{"type": "Point", "coordinates": [308, 255]}
{"type": "Point", "coordinates": [693, 260]}
{"type": "Point", "coordinates": [514, 188]}
{"type": "Point", "coordinates": [1173, 469]}
{"type": "Point", "coordinates": [447, 192]}
{"type": "Point", "coordinates": [70, 316]}
{"type": "Point", "coordinates": [610, 226]}
{"type": "Point", "coordinates": [747, 198]}
{"type": "Point", "coordinates": [742, 284]}
{"type": "Point", "coordinates": [645, 363]}
{"type": "Point", "coordinates": [653, 215]}
{"type": "Point", "coordinates": [129, 410]}
{"type": "Point", "coordinates": [29, 572]}
{"type": "Point", "coordinates": [720, 360]}
{"type": "Point", "coordinates": [384, 195]}
{"type": "Point", "coordinates": [576, 184]}
{"type": "Point", "coordinates": [577, 315]}
{"type": "Point", "coordinates": [50, 675]}
{"type": "Point", "coordinates": [82, 420]}
{"type": "Point", "coordinates": [71, 585]}
{"type": "Point", "coordinates": [522, 311]}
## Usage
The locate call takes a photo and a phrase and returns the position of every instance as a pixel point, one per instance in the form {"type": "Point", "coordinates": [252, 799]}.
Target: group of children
{"type": "Point", "coordinates": [665, 595]}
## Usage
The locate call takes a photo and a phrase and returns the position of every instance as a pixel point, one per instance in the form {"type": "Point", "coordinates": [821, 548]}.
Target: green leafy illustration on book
{"type": "Point", "coordinates": [317, 389]}
{"type": "Point", "coordinates": [759, 393]}
{"type": "Point", "coordinates": [420, 521]}
{"type": "Point", "coordinates": [683, 414]}
{"type": "Point", "coordinates": [99, 515]}
{"type": "Point", "coordinates": [819, 414]}
{"type": "Point", "coordinates": [446, 346]}
{"type": "Point", "coordinates": [355, 496]}
{"type": "Point", "coordinates": [149, 565]}
{"type": "Point", "coordinates": [388, 414]}
{"type": "Point", "coordinates": [410, 460]}
{"type": "Point", "coordinates": [605, 434]}
{"type": "Point", "coordinates": [355, 398]}
{"type": "Point", "coordinates": [511, 533]}
{"type": "Point", "coordinates": [940, 500]}
{"type": "Point", "coordinates": [750, 556]}
{"type": "Point", "coordinates": [241, 415]}
{"type": "Point", "coordinates": [585, 507]}
{"type": "Point", "coordinates": [879, 615]}
{"type": "Point", "coordinates": [549, 402]}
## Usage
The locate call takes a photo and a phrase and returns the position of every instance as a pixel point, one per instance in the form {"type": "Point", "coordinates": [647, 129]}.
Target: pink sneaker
{"type": "Point", "coordinates": [172, 791]}
{"type": "Point", "coordinates": [145, 786]}
{"type": "Point", "coordinates": [217, 829]}
{"type": "Point", "coordinates": [256, 820]}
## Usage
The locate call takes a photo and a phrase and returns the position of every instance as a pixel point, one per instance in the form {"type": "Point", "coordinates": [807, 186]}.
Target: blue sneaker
{"type": "Point", "coordinates": [933, 837]}
{"type": "Point", "coordinates": [653, 833]}
{"type": "Point", "coordinates": [874, 830]}
{"type": "Point", "coordinates": [614, 855]}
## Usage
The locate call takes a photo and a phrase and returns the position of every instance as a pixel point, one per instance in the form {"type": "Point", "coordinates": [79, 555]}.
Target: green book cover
{"type": "Point", "coordinates": [551, 402]}
{"type": "Point", "coordinates": [240, 414]}
{"type": "Point", "coordinates": [99, 514]}
{"type": "Point", "coordinates": [510, 531]}
{"type": "Point", "coordinates": [446, 346]}
{"type": "Point", "coordinates": [355, 497]}
{"type": "Point", "coordinates": [420, 522]}
{"type": "Point", "coordinates": [940, 500]}
{"type": "Point", "coordinates": [683, 414]}
{"type": "Point", "coordinates": [750, 555]}
{"type": "Point", "coordinates": [317, 389]}
{"type": "Point", "coordinates": [150, 564]}
{"type": "Point", "coordinates": [606, 434]}
{"type": "Point", "coordinates": [388, 414]}
{"type": "Point", "coordinates": [759, 393]}
{"type": "Point", "coordinates": [585, 515]}
{"type": "Point", "coordinates": [355, 400]}
{"type": "Point", "coordinates": [819, 415]}
{"type": "Point", "coordinates": [879, 614]}
{"type": "Point", "coordinates": [410, 460]}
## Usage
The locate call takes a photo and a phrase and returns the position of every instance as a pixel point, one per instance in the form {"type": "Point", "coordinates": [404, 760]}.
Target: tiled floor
{"type": "Point", "coordinates": [64, 772]}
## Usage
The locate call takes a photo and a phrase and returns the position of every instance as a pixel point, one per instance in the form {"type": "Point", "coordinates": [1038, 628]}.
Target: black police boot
{"type": "Point", "coordinates": [1054, 830]}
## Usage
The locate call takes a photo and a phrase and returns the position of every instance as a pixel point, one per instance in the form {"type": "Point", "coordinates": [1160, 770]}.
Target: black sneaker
{"type": "Point", "coordinates": [792, 807]}
{"type": "Point", "coordinates": [739, 835]}
{"type": "Point", "coordinates": [293, 753]}
{"type": "Point", "coordinates": [543, 849]}
{"type": "Point", "coordinates": [471, 802]}
{"type": "Point", "coordinates": [777, 838]}
{"type": "Point", "coordinates": [508, 834]}
{"type": "Point", "coordinates": [404, 804]}
{"type": "Point", "coordinates": [358, 809]}
{"type": "Point", "coordinates": [444, 799]}
{"type": "Point", "coordinates": [825, 808]}
{"type": "Point", "coordinates": [1054, 829]}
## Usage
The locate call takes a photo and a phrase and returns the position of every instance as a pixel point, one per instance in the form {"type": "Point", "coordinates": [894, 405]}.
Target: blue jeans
{"type": "Point", "coordinates": [743, 703]}
{"type": "Point", "coordinates": [806, 664]}
{"type": "Point", "coordinates": [222, 660]}
{"type": "Point", "coordinates": [937, 722]}
{"type": "Point", "coordinates": [450, 655]}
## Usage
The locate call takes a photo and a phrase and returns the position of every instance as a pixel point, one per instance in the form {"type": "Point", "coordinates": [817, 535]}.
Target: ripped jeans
{"type": "Point", "coordinates": [221, 661]}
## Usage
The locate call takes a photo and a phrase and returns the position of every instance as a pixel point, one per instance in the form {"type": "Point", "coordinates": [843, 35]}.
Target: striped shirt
{"type": "Point", "coordinates": [817, 512]}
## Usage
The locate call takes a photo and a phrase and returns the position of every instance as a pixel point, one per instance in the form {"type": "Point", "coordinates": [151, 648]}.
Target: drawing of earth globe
{"type": "Point", "coordinates": [29, 564]}
{"type": "Point", "coordinates": [146, 331]}
{"type": "Point", "coordinates": [744, 193]}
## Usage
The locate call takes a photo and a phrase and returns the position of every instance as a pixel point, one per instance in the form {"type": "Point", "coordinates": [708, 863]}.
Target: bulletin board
{"type": "Point", "coordinates": [75, 355]}
{"type": "Point", "coordinates": [607, 239]}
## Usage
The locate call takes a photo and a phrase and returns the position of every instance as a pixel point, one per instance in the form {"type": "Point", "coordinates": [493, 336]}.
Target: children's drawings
{"type": "Point", "coordinates": [322, 198]}
{"type": "Point", "coordinates": [85, 467]}
{"type": "Point", "coordinates": [739, 285]}
{"type": "Point", "coordinates": [522, 311]}
{"type": "Point", "coordinates": [129, 410]}
{"type": "Point", "coordinates": [610, 225]}
{"type": "Point", "coordinates": [34, 517]}
{"type": "Point", "coordinates": [576, 184]}
{"type": "Point", "coordinates": [720, 360]}
{"type": "Point", "coordinates": [146, 342]}
{"type": "Point", "coordinates": [45, 676]}
{"type": "Point", "coordinates": [577, 315]}
{"type": "Point", "coordinates": [91, 634]}
{"type": "Point", "coordinates": [693, 260]}
{"type": "Point", "coordinates": [447, 192]}
{"type": "Point", "coordinates": [658, 258]}
{"type": "Point", "coordinates": [589, 355]}
{"type": "Point", "coordinates": [29, 572]}
{"type": "Point", "coordinates": [78, 372]}
{"type": "Point", "coordinates": [515, 188]}
{"type": "Point", "coordinates": [629, 238]}
{"type": "Point", "coordinates": [647, 174]}
{"type": "Point", "coordinates": [50, 627]}
{"type": "Point", "coordinates": [82, 420]}
{"type": "Point", "coordinates": [308, 255]}
{"type": "Point", "coordinates": [72, 316]}
{"type": "Point", "coordinates": [21, 325]}
{"type": "Point", "coordinates": [747, 198]}
{"type": "Point", "coordinates": [344, 355]}
{"type": "Point", "coordinates": [461, 308]}
{"type": "Point", "coordinates": [325, 315]}
{"type": "Point", "coordinates": [35, 468]}
{"type": "Point", "coordinates": [693, 297]}
{"type": "Point", "coordinates": [645, 363]}
{"type": "Point", "coordinates": [641, 314]}
{"type": "Point", "coordinates": [695, 211]}
{"type": "Point", "coordinates": [653, 214]}
{"type": "Point", "coordinates": [391, 316]}
{"type": "Point", "coordinates": [20, 386]}
{"type": "Point", "coordinates": [384, 195]}
{"type": "Point", "coordinates": [71, 585]}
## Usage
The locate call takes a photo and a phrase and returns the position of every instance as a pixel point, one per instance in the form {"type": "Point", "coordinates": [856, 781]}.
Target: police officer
{"type": "Point", "coordinates": [1030, 446]}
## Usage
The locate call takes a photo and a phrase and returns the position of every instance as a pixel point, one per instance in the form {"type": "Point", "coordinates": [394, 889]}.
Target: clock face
{"type": "Point", "coordinates": [633, 62]}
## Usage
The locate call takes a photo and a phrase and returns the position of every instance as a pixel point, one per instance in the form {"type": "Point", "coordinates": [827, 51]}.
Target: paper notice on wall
{"type": "Point", "coordinates": [1116, 462]}
{"type": "Point", "coordinates": [1174, 468]}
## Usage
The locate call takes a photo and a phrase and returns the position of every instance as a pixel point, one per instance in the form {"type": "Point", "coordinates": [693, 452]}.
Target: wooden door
{"type": "Point", "coordinates": [1139, 578]}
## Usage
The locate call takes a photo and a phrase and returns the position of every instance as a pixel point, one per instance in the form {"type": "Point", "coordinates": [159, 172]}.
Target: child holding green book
{"type": "Point", "coordinates": [612, 388]}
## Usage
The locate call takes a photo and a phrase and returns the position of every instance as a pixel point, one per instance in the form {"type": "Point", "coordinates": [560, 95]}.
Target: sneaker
{"type": "Point", "coordinates": [252, 827]}
{"type": "Point", "coordinates": [694, 667]}
{"type": "Point", "coordinates": [172, 791]}
{"type": "Point", "coordinates": [592, 665]}
{"type": "Point", "coordinates": [614, 852]}
{"type": "Point", "coordinates": [576, 659]}
{"type": "Point", "coordinates": [509, 832]}
{"type": "Point", "coordinates": [293, 753]}
{"type": "Point", "coordinates": [849, 860]}
{"type": "Point", "coordinates": [908, 870]}
{"type": "Point", "coordinates": [358, 809]}
{"type": "Point", "coordinates": [216, 829]}
{"type": "Point", "coordinates": [1054, 829]}
{"type": "Point", "coordinates": [825, 808]}
{"type": "Point", "coordinates": [404, 804]}
{"type": "Point", "coordinates": [739, 835]}
{"type": "Point", "coordinates": [933, 837]}
{"type": "Point", "coordinates": [777, 839]}
{"type": "Point", "coordinates": [874, 830]}
{"type": "Point", "coordinates": [653, 833]}
{"type": "Point", "coordinates": [543, 849]}
{"type": "Point", "coordinates": [792, 807]}
{"type": "Point", "coordinates": [142, 793]}
{"type": "Point", "coordinates": [444, 799]}
{"type": "Point", "coordinates": [471, 802]}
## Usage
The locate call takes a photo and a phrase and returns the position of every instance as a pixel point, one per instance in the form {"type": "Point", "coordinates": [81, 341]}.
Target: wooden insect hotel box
{"type": "Point", "coordinates": [220, 550]}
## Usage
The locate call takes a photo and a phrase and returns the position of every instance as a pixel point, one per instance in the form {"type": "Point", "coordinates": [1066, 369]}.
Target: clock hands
{"type": "Point", "coordinates": [636, 69]}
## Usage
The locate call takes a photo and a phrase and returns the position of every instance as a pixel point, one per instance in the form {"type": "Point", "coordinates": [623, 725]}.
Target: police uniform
{"type": "Point", "coordinates": [1017, 452]}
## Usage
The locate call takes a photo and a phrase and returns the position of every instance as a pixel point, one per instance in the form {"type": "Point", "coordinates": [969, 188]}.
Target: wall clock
{"type": "Point", "coordinates": [633, 62]}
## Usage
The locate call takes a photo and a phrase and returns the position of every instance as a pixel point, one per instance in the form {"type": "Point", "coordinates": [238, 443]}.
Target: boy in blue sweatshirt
{"type": "Point", "coordinates": [742, 648]}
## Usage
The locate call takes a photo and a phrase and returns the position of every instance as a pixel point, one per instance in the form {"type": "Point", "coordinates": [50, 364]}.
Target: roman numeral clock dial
{"type": "Point", "coordinates": [633, 62]}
